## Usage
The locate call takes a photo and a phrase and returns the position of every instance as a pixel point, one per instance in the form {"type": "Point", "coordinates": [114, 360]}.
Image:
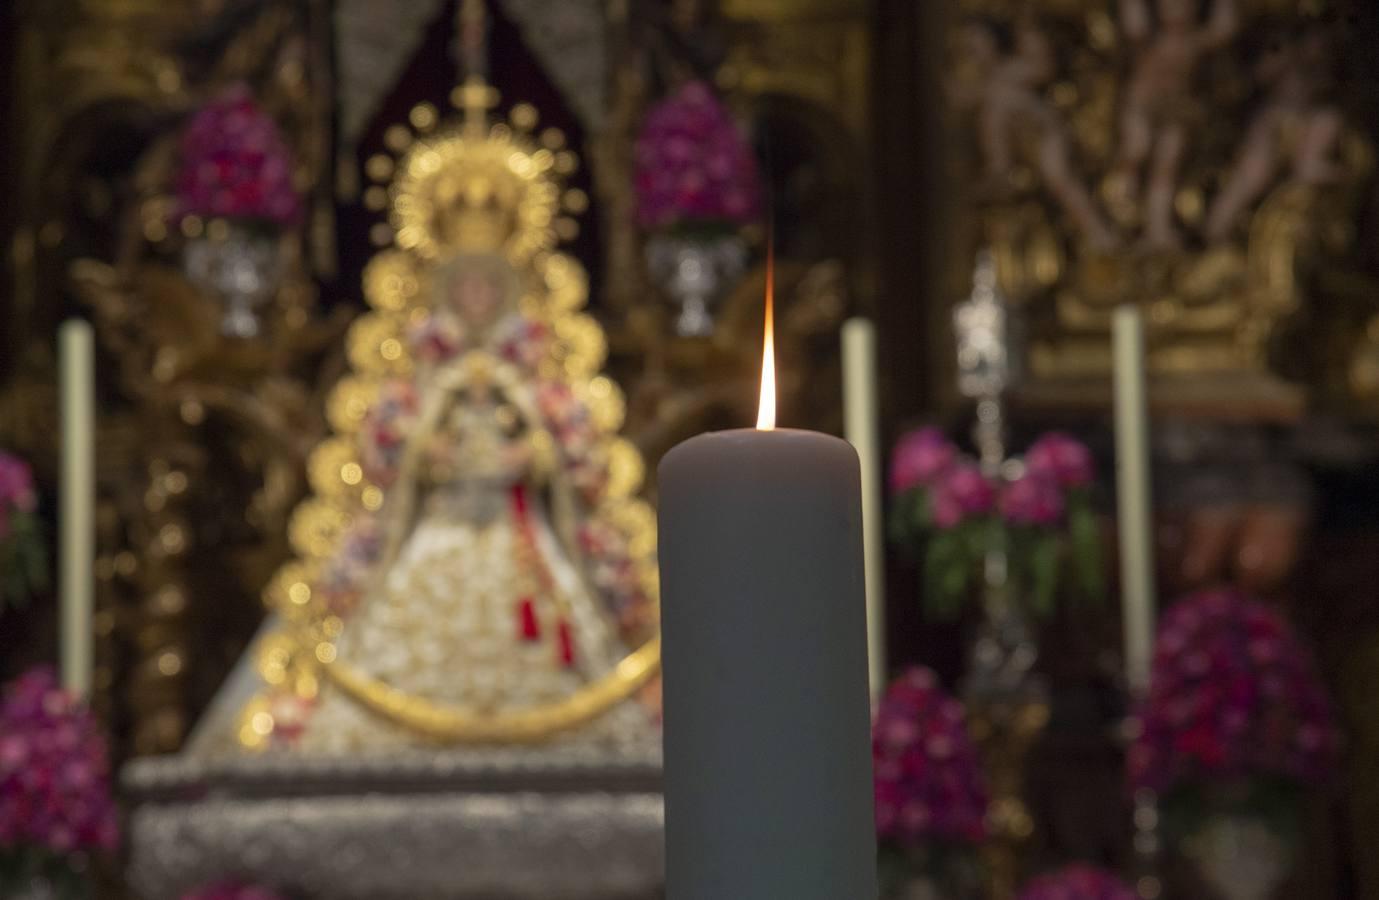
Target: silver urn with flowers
{"type": "Point", "coordinates": [236, 204]}
{"type": "Point", "coordinates": [697, 188]}
{"type": "Point", "coordinates": [1014, 535]}
{"type": "Point", "coordinates": [1234, 733]}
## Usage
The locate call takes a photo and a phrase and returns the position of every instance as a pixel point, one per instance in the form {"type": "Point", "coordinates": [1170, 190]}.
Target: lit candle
{"type": "Point", "coordinates": [77, 488]}
{"type": "Point", "coordinates": [768, 783]}
{"type": "Point", "coordinates": [1133, 492]}
{"type": "Point", "coordinates": [860, 415]}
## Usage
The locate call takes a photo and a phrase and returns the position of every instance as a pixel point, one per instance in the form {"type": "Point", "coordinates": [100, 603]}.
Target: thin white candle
{"type": "Point", "coordinates": [860, 425]}
{"type": "Point", "coordinates": [1134, 495]}
{"type": "Point", "coordinates": [76, 352]}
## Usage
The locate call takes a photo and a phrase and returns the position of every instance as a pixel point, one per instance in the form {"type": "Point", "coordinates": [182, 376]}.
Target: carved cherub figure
{"type": "Point", "coordinates": [1158, 107]}
{"type": "Point", "coordinates": [1297, 126]}
{"type": "Point", "coordinates": [1004, 88]}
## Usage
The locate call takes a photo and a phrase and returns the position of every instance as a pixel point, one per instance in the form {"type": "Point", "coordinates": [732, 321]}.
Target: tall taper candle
{"type": "Point", "coordinates": [768, 782]}
{"type": "Point", "coordinates": [1134, 495]}
{"type": "Point", "coordinates": [860, 423]}
{"type": "Point", "coordinates": [77, 490]}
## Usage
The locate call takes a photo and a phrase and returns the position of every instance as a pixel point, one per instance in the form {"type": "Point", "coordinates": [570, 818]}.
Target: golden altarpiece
{"type": "Point", "coordinates": [211, 442]}
{"type": "Point", "coordinates": [1201, 160]}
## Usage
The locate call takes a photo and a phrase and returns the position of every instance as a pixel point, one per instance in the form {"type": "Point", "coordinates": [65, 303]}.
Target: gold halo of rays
{"type": "Point", "coordinates": [448, 189]}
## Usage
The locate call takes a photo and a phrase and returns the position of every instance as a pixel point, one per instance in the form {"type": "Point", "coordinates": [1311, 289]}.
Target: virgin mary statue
{"type": "Point", "coordinates": [477, 587]}
{"type": "Point", "coordinates": [474, 566]}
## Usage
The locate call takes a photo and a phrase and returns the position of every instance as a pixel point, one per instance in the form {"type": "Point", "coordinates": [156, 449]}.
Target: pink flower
{"type": "Point", "coordinates": [919, 457]}
{"type": "Point", "coordinates": [1064, 459]}
{"type": "Point", "coordinates": [16, 484]}
{"type": "Point", "coordinates": [958, 494]}
{"type": "Point", "coordinates": [1078, 882]}
{"type": "Point", "coordinates": [929, 784]}
{"type": "Point", "coordinates": [1032, 499]}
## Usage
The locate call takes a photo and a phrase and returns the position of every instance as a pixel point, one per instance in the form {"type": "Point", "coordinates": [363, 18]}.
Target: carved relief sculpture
{"type": "Point", "coordinates": [1107, 173]}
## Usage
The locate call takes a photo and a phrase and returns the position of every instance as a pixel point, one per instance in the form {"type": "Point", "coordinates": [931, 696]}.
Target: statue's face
{"type": "Point", "coordinates": [475, 297]}
{"type": "Point", "coordinates": [1177, 13]}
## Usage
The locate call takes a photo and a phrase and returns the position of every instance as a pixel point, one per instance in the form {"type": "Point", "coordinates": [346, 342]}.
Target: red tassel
{"type": "Point", "coordinates": [526, 612]}
{"type": "Point", "coordinates": [567, 644]}
{"type": "Point", "coordinates": [519, 503]}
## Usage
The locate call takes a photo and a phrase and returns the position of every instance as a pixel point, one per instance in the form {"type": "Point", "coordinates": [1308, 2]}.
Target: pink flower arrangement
{"type": "Point", "coordinates": [1233, 696]}
{"type": "Point", "coordinates": [54, 773]}
{"type": "Point", "coordinates": [1043, 518]}
{"type": "Point", "coordinates": [236, 165]}
{"type": "Point", "coordinates": [920, 457]}
{"type": "Point", "coordinates": [1078, 882]}
{"type": "Point", "coordinates": [232, 890]}
{"type": "Point", "coordinates": [929, 785]}
{"type": "Point", "coordinates": [693, 166]}
{"type": "Point", "coordinates": [23, 559]}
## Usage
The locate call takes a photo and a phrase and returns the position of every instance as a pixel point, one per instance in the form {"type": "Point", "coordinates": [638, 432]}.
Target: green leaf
{"type": "Point", "coordinates": [909, 518]}
{"type": "Point", "coordinates": [947, 573]}
{"type": "Point", "coordinates": [1084, 537]}
{"type": "Point", "coordinates": [1043, 573]}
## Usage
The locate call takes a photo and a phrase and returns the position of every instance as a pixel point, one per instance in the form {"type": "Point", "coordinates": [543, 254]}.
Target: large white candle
{"type": "Point", "coordinates": [1133, 492]}
{"type": "Point", "coordinates": [77, 489]}
{"type": "Point", "coordinates": [768, 783]}
{"type": "Point", "coordinates": [860, 424]}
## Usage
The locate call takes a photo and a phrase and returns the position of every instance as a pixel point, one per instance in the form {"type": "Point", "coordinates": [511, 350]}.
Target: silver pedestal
{"type": "Point", "coordinates": [557, 823]}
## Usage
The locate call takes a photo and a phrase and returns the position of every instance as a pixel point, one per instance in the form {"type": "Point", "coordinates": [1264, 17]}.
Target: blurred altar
{"type": "Point", "coordinates": [396, 306]}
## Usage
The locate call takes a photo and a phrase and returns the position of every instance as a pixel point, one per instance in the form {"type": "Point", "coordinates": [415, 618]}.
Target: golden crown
{"type": "Point", "coordinates": [472, 187]}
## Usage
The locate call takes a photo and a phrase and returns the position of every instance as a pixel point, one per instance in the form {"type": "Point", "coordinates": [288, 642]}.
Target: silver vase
{"type": "Point", "coordinates": [1240, 856]}
{"type": "Point", "coordinates": [696, 271]}
{"type": "Point", "coordinates": [241, 266]}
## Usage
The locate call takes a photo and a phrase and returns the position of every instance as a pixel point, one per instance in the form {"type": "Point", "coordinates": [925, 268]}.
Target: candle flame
{"type": "Point", "coordinates": [766, 411]}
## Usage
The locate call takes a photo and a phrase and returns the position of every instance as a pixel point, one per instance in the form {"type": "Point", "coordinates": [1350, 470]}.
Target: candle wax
{"type": "Point", "coordinates": [768, 779]}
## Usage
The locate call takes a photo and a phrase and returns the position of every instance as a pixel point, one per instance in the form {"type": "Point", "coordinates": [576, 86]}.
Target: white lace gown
{"type": "Point", "coordinates": [447, 624]}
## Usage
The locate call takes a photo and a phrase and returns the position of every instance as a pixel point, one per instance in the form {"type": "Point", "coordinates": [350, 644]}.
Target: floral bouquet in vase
{"type": "Point", "coordinates": [931, 795]}
{"type": "Point", "coordinates": [1040, 520]}
{"type": "Point", "coordinates": [1236, 728]}
{"type": "Point", "coordinates": [234, 196]}
{"type": "Point", "coordinates": [23, 559]}
{"type": "Point", "coordinates": [697, 185]}
{"type": "Point", "coordinates": [1078, 882]}
{"type": "Point", "coordinates": [55, 803]}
